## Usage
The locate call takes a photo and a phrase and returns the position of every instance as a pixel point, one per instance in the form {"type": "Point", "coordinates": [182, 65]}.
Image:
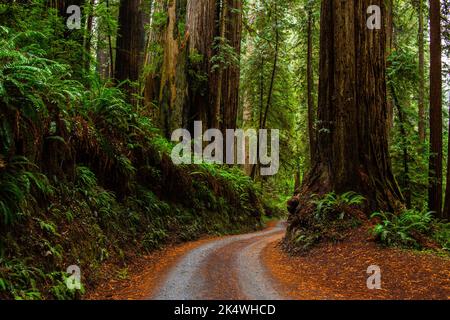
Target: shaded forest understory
{"type": "Point", "coordinates": [89, 102]}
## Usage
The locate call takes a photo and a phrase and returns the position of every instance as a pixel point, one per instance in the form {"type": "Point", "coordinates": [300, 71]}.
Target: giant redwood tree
{"type": "Point", "coordinates": [130, 43]}
{"type": "Point", "coordinates": [196, 79]}
{"type": "Point", "coordinates": [352, 145]}
{"type": "Point", "coordinates": [435, 164]}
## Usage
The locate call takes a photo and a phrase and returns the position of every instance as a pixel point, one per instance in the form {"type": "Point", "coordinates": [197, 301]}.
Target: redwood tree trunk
{"type": "Point", "coordinates": [421, 74]}
{"type": "Point", "coordinates": [185, 87]}
{"type": "Point", "coordinates": [446, 213]}
{"type": "Point", "coordinates": [231, 75]}
{"type": "Point", "coordinates": [130, 44]}
{"type": "Point", "coordinates": [352, 145]}
{"type": "Point", "coordinates": [435, 173]}
{"type": "Point", "coordinates": [201, 22]}
{"type": "Point", "coordinates": [310, 84]}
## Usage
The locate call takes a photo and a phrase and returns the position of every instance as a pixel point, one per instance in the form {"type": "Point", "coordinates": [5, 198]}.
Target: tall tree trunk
{"type": "Point", "coordinates": [173, 78]}
{"type": "Point", "coordinates": [104, 51]}
{"type": "Point", "coordinates": [185, 87]}
{"type": "Point", "coordinates": [401, 117]}
{"type": "Point", "coordinates": [231, 75]}
{"type": "Point", "coordinates": [352, 145]}
{"type": "Point", "coordinates": [310, 84]}
{"type": "Point", "coordinates": [87, 39]}
{"type": "Point", "coordinates": [389, 45]}
{"type": "Point", "coordinates": [217, 116]}
{"type": "Point", "coordinates": [201, 26]}
{"type": "Point", "coordinates": [274, 71]}
{"type": "Point", "coordinates": [130, 45]}
{"type": "Point", "coordinates": [264, 115]}
{"type": "Point", "coordinates": [435, 170]}
{"type": "Point", "coordinates": [111, 53]}
{"type": "Point", "coordinates": [421, 74]}
{"type": "Point", "coordinates": [446, 213]}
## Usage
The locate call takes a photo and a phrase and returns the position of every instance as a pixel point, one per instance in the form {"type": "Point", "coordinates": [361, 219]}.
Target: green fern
{"type": "Point", "coordinates": [334, 203]}
{"type": "Point", "coordinates": [399, 229]}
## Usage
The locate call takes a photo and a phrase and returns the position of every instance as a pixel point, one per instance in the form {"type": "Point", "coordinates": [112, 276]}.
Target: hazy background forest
{"type": "Point", "coordinates": [88, 107]}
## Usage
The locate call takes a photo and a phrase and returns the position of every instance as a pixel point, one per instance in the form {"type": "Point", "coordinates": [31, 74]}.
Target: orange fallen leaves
{"type": "Point", "coordinates": [338, 271]}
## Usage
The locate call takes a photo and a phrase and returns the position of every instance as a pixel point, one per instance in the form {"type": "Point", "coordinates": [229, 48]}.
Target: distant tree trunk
{"type": "Point", "coordinates": [185, 87]}
{"type": "Point", "coordinates": [389, 44]}
{"type": "Point", "coordinates": [310, 84]}
{"type": "Point", "coordinates": [421, 74]}
{"type": "Point", "coordinates": [105, 53]}
{"type": "Point", "coordinates": [217, 116]}
{"type": "Point", "coordinates": [103, 60]}
{"type": "Point", "coordinates": [402, 120]}
{"type": "Point", "coordinates": [261, 92]}
{"type": "Point", "coordinates": [231, 75]}
{"type": "Point", "coordinates": [264, 115]}
{"type": "Point", "coordinates": [435, 173]}
{"type": "Point", "coordinates": [446, 213]}
{"type": "Point", "coordinates": [130, 45]}
{"type": "Point", "coordinates": [87, 39]}
{"type": "Point", "coordinates": [201, 26]}
{"type": "Point", "coordinates": [274, 71]}
{"type": "Point", "coordinates": [172, 94]}
{"type": "Point", "coordinates": [352, 145]}
{"type": "Point", "coordinates": [111, 53]}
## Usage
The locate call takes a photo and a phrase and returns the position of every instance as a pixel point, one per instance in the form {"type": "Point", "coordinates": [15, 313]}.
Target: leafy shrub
{"type": "Point", "coordinates": [16, 184]}
{"type": "Point", "coordinates": [410, 229]}
{"type": "Point", "coordinates": [332, 203]}
{"type": "Point", "coordinates": [442, 235]}
{"type": "Point", "coordinates": [328, 218]}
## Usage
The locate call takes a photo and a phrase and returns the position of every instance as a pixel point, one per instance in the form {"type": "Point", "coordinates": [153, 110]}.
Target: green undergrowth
{"type": "Point", "coordinates": [412, 229]}
{"type": "Point", "coordinates": [85, 178]}
{"type": "Point", "coordinates": [330, 218]}
{"type": "Point", "coordinates": [323, 218]}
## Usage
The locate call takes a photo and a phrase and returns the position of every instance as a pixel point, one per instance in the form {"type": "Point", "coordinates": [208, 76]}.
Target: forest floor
{"type": "Point", "coordinates": [253, 266]}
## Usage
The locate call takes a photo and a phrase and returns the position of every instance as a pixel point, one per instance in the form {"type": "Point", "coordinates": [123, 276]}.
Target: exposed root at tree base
{"type": "Point", "coordinates": [339, 271]}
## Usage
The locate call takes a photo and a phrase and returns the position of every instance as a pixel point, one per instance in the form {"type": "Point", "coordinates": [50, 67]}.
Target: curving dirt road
{"type": "Point", "coordinates": [226, 269]}
{"type": "Point", "coordinates": [252, 266]}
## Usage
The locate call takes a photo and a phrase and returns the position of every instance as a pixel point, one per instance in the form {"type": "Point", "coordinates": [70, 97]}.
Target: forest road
{"type": "Point", "coordinates": [230, 268]}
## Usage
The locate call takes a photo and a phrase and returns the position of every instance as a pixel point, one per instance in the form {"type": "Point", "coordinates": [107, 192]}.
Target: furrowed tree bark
{"type": "Point", "coordinates": [173, 84]}
{"type": "Point", "coordinates": [352, 144]}
{"type": "Point", "coordinates": [231, 75]}
{"type": "Point", "coordinates": [389, 44]}
{"type": "Point", "coordinates": [217, 117]}
{"type": "Point", "coordinates": [130, 45]}
{"type": "Point", "coordinates": [421, 74]}
{"type": "Point", "coordinates": [435, 162]}
{"type": "Point", "coordinates": [202, 28]}
{"type": "Point", "coordinates": [310, 84]}
{"type": "Point", "coordinates": [185, 87]}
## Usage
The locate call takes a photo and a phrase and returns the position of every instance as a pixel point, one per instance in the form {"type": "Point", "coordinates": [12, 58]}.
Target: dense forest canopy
{"type": "Point", "coordinates": [91, 92]}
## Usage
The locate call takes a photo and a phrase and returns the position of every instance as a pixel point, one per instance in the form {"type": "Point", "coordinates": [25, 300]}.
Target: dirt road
{"type": "Point", "coordinates": [230, 268]}
{"type": "Point", "coordinates": [252, 266]}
